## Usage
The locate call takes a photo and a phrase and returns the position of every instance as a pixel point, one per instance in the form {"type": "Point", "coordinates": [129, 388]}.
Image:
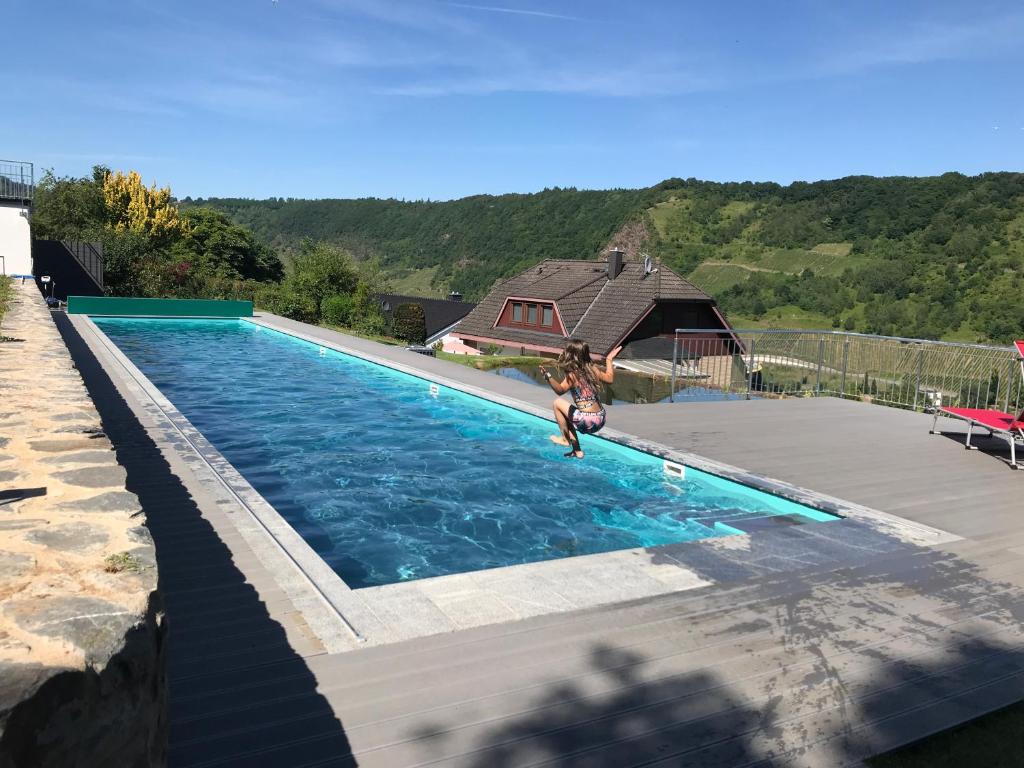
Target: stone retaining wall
{"type": "Point", "coordinates": [82, 678]}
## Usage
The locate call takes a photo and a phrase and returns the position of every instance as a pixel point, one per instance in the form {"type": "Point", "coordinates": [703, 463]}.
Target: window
{"type": "Point", "coordinates": [530, 316]}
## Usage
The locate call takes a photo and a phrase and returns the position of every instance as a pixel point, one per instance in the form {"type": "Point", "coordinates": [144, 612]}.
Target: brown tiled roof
{"type": "Point", "coordinates": [592, 307]}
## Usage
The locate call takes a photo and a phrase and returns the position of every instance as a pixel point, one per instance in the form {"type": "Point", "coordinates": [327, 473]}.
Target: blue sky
{"type": "Point", "coordinates": [428, 99]}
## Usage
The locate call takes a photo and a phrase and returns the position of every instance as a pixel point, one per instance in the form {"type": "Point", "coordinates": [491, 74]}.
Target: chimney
{"type": "Point", "coordinates": [615, 257]}
{"type": "Point", "coordinates": [454, 296]}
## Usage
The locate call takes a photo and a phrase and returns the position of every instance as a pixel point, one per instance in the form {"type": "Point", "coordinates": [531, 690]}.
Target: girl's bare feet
{"type": "Point", "coordinates": [577, 454]}
{"type": "Point", "coordinates": [559, 440]}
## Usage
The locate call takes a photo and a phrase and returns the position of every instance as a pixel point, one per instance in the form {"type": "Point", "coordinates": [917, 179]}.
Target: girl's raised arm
{"type": "Point", "coordinates": [608, 374]}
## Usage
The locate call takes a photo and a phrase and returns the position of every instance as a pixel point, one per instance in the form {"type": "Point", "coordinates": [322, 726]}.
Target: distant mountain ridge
{"type": "Point", "coordinates": [939, 256]}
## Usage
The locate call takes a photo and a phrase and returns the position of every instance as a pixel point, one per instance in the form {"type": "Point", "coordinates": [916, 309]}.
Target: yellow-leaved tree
{"type": "Point", "coordinates": [134, 207]}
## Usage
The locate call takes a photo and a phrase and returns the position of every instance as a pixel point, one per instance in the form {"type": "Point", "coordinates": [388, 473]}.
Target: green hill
{"type": "Point", "coordinates": [936, 256]}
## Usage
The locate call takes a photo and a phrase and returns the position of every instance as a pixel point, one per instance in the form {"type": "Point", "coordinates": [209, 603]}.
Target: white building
{"type": "Point", "coordinates": [17, 183]}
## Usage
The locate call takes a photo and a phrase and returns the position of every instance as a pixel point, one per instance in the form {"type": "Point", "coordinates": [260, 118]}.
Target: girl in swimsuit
{"type": "Point", "coordinates": [585, 414]}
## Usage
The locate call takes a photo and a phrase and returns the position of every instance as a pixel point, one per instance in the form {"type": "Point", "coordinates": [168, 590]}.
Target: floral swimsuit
{"type": "Point", "coordinates": [584, 394]}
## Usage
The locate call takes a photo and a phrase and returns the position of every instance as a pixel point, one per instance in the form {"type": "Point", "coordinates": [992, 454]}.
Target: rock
{"type": "Point", "coordinates": [18, 523]}
{"type": "Point", "coordinates": [93, 477]}
{"type": "Point", "coordinates": [70, 415]}
{"type": "Point", "coordinates": [69, 537]}
{"type": "Point", "coordinates": [140, 535]}
{"type": "Point", "coordinates": [68, 444]}
{"type": "Point", "coordinates": [18, 679]}
{"type": "Point", "coordinates": [81, 457]}
{"type": "Point", "coordinates": [82, 428]}
{"type": "Point", "coordinates": [14, 565]}
{"type": "Point", "coordinates": [112, 501]}
{"type": "Point", "coordinates": [96, 627]}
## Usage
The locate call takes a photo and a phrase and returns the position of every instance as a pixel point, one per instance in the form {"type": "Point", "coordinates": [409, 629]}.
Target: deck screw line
{"type": "Point", "coordinates": [103, 341]}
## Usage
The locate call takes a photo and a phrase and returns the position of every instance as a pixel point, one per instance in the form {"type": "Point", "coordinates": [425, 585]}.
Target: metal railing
{"type": "Point", "coordinates": [914, 374]}
{"type": "Point", "coordinates": [89, 256]}
{"type": "Point", "coordinates": [17, 181]}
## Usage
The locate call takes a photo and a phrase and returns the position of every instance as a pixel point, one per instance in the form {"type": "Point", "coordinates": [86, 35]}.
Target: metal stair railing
{"type": "Point", "coordinates": [88, 257]}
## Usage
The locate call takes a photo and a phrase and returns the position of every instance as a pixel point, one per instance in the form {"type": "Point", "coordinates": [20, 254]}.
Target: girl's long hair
{"type": "Point", "coordinates": [575, 359]}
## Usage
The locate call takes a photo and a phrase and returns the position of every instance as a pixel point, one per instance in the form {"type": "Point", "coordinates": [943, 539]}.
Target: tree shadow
{"type": "Point", "coordinates": [238, 693]}
{"type": "Point", "coordinates": [823, 666]}
{"type": "Point", "coordinates": [691, 719]}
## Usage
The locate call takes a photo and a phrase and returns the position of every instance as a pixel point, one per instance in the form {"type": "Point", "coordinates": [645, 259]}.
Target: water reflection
{"type": "Point", "coordinates": [629, 387]}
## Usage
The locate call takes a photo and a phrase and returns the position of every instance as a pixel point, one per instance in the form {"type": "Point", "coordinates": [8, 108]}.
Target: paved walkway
{"type": "Point", "coordinates": [818, 665]}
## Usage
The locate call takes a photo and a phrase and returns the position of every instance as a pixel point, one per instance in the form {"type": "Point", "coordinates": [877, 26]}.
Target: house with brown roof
{"type": "Point", "coordinates": [604, 302]}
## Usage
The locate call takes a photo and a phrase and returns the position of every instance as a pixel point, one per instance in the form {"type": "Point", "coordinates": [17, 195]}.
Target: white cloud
{"type": "Point", "coordinates": [519, 11]}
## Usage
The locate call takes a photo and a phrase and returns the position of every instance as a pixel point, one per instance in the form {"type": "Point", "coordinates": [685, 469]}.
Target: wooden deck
{"type": "Point", "coordinates": [818, 663]}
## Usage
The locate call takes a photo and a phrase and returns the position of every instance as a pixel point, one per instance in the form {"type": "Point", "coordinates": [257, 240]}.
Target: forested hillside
{"type": "Point", "coordinates": [935, 257]}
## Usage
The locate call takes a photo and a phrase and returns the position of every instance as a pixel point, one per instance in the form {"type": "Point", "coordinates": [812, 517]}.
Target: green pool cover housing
{"type": "Point", "coordinates": [132, 307]}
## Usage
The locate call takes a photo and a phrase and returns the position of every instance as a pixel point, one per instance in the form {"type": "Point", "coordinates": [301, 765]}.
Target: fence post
{"type": "Point", "coordinates": [675, 355]}
{"type": "Point", "coordinates": [821, 358]}
{"type": "Point", "coordinates": [917, 384]}
{"type": "Point", "coordinates": [842, 377]}
{"type": "Point", "coordinates": [750, 367]}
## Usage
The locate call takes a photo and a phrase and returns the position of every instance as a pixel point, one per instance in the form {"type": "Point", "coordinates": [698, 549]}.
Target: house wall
{"type": "Point", "coordinates": [653, 337]}
{"type": "Point", "coordinates": [15, 240]}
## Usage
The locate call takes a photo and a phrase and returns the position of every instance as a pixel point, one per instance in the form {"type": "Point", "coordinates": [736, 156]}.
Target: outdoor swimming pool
{"type": "Point", "coordinates": [390, 478]}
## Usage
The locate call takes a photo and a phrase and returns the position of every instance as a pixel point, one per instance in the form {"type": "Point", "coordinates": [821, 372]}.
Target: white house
{"type": "Point", "coordinates": [17, 184]}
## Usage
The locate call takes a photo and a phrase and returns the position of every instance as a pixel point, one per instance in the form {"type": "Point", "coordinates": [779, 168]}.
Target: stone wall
{"type": "Point", "coordinates": [82, 678]}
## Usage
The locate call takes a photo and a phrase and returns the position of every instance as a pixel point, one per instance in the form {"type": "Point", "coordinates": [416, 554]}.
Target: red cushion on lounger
{"type": "Point", "coordinates": [1004, 422]}
{"type": "Point", "coordinates": [1020, 347]}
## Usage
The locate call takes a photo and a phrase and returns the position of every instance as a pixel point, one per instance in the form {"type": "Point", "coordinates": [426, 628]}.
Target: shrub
{"type": "Point", "coordinates": [409, 323]}
{"type": "Point", "coordinates": [337, 310]}
{"type": "Point", "coordinates": [296, 306]}
{"type": "Point", "coordinates": [437, 346]}
{"type": "Point", "coordinates": [321, 270]}
{"type": "Point", "coordinates": [266, 297]}
{"type": "Point", "coordinates": [492, 349]}
{"type": "Point", "coordinates": [281, 300]}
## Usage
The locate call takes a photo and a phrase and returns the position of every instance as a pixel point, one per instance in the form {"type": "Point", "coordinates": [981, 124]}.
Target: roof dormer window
{"type": "Point", "coordinates": [530, 315]}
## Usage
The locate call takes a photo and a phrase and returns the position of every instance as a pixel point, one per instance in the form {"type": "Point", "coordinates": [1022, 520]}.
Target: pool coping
{"type": "Point", "coordinates": [405, 610]}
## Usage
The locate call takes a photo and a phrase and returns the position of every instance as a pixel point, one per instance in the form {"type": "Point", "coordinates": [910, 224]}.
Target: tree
{"type": "Point", "coordinates": [66, 208]}
{"type": "Point", "coordinates": [225, 249]}
{"type": "Point", "coordinates": [409, 323]}
{"type": "Point", "coordinates": [133, 207]}
{"type": "Point", "coordinates": [321, 270]}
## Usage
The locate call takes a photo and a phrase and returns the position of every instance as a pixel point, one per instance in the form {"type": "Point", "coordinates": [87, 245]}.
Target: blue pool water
{"type": "Point", "coordinates": [389, 482]}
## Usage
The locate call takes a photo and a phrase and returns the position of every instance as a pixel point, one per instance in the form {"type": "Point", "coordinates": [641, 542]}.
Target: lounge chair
{"type": "Point", "coordinates": [996, 422]}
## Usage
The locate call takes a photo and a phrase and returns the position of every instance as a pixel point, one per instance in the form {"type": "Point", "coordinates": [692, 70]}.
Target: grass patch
{"type": "Point", "coordinates": [993, 741]}
{"type": "Point", "coordinates": [788, 316]}
{"type": "Point", "coordinates": [122, 562]}
{"type": "Point", "coordinates": [490, 362]}
{"type": "Point", "coordinates": [391, 341]}
{"type": "Point", "coordinates": [840, 250]}
{"type": "Point", "coordinates": [6, 293]}
{"type": "Point", "coordinates": [715, 278]}
{"type": "Point", "coordinates": [416, 282]}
